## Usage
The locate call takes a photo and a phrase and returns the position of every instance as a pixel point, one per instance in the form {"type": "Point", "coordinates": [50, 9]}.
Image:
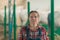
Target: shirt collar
{"type": "Point", "coordinates": [34, 30]}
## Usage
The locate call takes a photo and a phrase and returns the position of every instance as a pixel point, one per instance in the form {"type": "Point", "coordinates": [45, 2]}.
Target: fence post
{"type": "Point", "coordinates": [14, 15]}
{"type": "Point", "coordinates": [28, 12]}
{"type": "Point", "coordinates": [5, 23]}
{"type": "Point", "coordinates": [52, 19]}
{"type": "Point", "coordinates": [10, 23]}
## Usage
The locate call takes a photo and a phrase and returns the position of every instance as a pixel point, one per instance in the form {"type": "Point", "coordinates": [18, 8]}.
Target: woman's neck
{"type": "Point", "coordinates": [33, 27]}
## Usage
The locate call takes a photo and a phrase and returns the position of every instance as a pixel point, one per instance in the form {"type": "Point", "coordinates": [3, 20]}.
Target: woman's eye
{"type": "Point", "coordinates": [35, 16]}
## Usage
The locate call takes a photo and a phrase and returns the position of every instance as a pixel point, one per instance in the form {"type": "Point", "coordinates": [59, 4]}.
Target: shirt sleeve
{"type": "Point", "coordinates": [20, 35]}
{"type": "Point", "coordinates": [44, 35]}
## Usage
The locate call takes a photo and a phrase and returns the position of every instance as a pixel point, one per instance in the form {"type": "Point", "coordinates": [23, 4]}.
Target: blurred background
{"type": "Point", "coordinates": [42, 6]}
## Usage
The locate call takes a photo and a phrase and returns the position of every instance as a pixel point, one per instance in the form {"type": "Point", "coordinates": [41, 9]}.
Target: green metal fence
{"type": "Point", "coordinates": [14, 16]}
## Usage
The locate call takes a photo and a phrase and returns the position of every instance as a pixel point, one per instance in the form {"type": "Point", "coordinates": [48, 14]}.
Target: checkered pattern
{"type": "Point", "coordinates": [32, 34]}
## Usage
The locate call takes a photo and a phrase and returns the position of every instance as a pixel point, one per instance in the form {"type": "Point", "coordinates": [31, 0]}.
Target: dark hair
{"type": "Point", "coordinates": [33, 12]}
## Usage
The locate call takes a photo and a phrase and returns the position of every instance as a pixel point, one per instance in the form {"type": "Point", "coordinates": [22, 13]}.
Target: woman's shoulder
{"type": "Point", "coordinates": [23, 28]}
{"type": "Point", "coordinates": [42, 28]}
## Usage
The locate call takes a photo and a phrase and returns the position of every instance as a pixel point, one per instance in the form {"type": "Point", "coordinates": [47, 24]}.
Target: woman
{"type": "Point", "coordinates": [33, 31]}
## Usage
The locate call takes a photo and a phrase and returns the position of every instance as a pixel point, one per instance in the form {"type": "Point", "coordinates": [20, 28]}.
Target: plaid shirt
{"type": "Point", "coordinates": [32, 34]}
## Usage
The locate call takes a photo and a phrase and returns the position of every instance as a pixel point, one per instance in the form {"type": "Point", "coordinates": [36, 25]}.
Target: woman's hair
{"type": "Point", "coordinates": [33, 12]}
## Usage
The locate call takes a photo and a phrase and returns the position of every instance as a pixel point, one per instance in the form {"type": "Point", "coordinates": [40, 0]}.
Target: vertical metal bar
{"type": "Point", "coordinates": [10, 26]}
{"type": "Point", "coordinates": [28, 7]}
{"type": "Point", "coordinates": [5, 23]}
{"type": "Point", "coordinates": [14, 13]}
{"type": "Point", "coordinates": [10, 30]}
{"type": "Point", "coordinates": [28, 12]}
{"type": "Point", "coordinates": [52, 19]}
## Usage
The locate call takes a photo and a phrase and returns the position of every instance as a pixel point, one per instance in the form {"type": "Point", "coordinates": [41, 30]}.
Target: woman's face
{"type": "Point", "coordinates": [34, 18]}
